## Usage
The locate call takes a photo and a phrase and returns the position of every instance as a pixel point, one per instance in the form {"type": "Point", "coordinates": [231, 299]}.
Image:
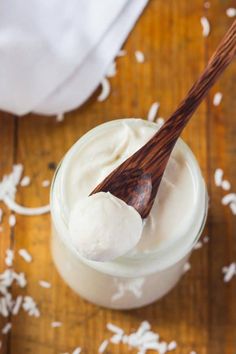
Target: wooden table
{"type": "Point", "coordinates": [200, 313]}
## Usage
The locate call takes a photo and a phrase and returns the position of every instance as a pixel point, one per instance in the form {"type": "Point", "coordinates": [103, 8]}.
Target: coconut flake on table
{"type": "Point", "coordinates": [115, 329]}
{"type": "Point", "coordinates": [139, 56]}
{"type": "Point", "coordinates": [103, 346]}
{"type": "Point", "coordinates": [12, 220]}
{"type": "Point", "coordinates": [233, 207]}
{"type": "Point", "coordinates": [6, 329]}
{"type": "Point", "coordinates": [121, 53]}
{"type": "Point", "coordinates": [56, 324]}
{"type": "Point", "coordinates": [142, 339]}
{"type": "Point", "coordinates": [198, 245]}
{"type": "Point", "coordinates": [106, 89]}
{"type": "Point", "coordinates": [229, 198]}
{"type": "Point", "coordinates": [44, 284]}
{"type": "Point", "coordinates": [8, 189]}
{"type": "Point", "coordinates": [30, 306]}
{"type": "Point", "coordinates": [160, 121]}
{"type": "Point", "coordinates": [25, 255]}
{"type": "Point", "coordinates": [116, 339]}
{"type": "Point", "coordinates": [17, 305]}
{"type": "Point", "coordinates": [229, 272]}
{"type": "Point", "coordinates": [231, 12]}
{"type": "Point", "coordinates": [25, 181]}
{"type": "Point", "coordinates": [187, 267]}
{"type": "Point", "coordinates": [172, 345]}
{"type": "Point", "coordinates": [46, 183]}
{"type": "Point", "coordinates": [225, 185]}
{"type": "Point", "coordinates": [218, 176]}
{"type": "Point", "coordinates": [77, 350]}
{"type": "Point", "coordinates": [9, 257]}
{"type": "Point", "coordinates": [60, 117]}
{"type": "Point", "coordinates": [205, 26]}
{"type": "Point", "coordinates": [217, 98]}
{"type": "Point", "coordinates": [206, 239]}
{"type": "Point", "coordinates": [153, 111]}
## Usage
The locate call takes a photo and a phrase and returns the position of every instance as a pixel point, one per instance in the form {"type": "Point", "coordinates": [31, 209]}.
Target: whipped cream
{"type": "Point", "coordinates": [97, 234]}
{"type": "Point", "coordinates": [103, 227]}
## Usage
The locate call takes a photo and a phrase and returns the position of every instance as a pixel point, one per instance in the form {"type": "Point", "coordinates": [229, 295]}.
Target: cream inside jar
{"type": "Point", "coordinates": [177, 205]}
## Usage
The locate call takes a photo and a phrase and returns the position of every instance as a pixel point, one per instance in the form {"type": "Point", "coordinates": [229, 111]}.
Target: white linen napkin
{"type": "Point", "coordinates": [53, 54]}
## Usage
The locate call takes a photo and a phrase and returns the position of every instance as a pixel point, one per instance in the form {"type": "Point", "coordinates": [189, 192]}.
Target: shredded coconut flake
{"type": "Point", "coordinates": [142, 340]}
{"type": "Point", "coordinates": [233, 207]}
{"type": "Point", "coordinates": [6, 329]}
{"type": "Point", "coordinates": [187, 267]}
{"type": "Point", "coordinates": [46, 183]}
{"type": "Point", "coordinates": [153, 111]}
{"type": "Point", "coordinates": [229, 198]}
{"type": "Point", "coordinates": [103, 346]}
{"type": "Point", "coordinates": [44, 284]}
{"type": "Point", "coordinates": [139, 56]}
{"type": "Point", "coordinates": [231, 12]}
{"type": "Point", "coordinates": [226, 185]}
{"type": "Point", "coordinates": [106, 89]}
{"type": "Point", "coordinates": [25, 255]}
{"type": "Point", "coordinates": [56, 324]}
{"type": "Point", "coordinates": [205, 26]}
{"type": "Point", "coordinates": [60, 117]}
{"type": "Point", "coordinates": [113, 328]}
{"type": "Point", "coordinates": [229, 271]}
{"type": "Point", "coordinates": [25, 181]}
{"type": "Point", "coordinates": [19, 209]}
{"type": "Point", "coordinates": [172, 345]}
{"type": "Point", "coordinates": [198, 245]}
{"type": "Point", "coordinates": [9, 257]}
{"type": "Point", "coordinates": [217, 98]}
{"type": "Point", "coordinates": [17, 305]}
{"type": "Point", "coordinates": [122, 53]}
{"type": "Point", "coordinates": [206, 239]}
{"type": "Point", "coordinates": [77, 350]}
{"type": "Point", "coordinates": [30, 306]}
{"type": "Point", "coordinates": [116, 339]}
{"type": "Point", "coordinates": [160, 121]}
{"type": "Point", "coordinates": [12, 220]}
{"type": "Point", "coordinates": [218, 176]}
{"type": "Point", "coordinates": [8, 189]}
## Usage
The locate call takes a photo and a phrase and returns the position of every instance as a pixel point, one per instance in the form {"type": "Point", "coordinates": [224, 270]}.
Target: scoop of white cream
{"type": "Point", "coordinates": [103, 227]}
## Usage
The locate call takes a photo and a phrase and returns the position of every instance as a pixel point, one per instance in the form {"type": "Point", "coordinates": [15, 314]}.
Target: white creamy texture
{"type": "Point", "coordinates": [175, 207]}
{"type": "Point", "coordinates": [103, 227]}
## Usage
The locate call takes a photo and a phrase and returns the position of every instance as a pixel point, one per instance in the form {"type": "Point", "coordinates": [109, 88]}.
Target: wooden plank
{"type": "Point", "coordinates": [6, 160]}
{"type": "Point", "coordinates": [169, 34]}
{"type": "Point", "coordinates": [222, 224]}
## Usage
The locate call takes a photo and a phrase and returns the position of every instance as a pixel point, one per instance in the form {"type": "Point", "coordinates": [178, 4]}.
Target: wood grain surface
{"type": "Point", "coordinates": [200, 313]}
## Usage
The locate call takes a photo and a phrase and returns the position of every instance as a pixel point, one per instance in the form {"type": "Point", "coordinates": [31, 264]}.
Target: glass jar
{"type": "Point", "coordinates": [131, 281]}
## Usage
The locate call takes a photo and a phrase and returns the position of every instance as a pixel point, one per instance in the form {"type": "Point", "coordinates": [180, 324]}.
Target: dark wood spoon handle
{"type": "Point", "coordinates": [160, 146]}
{"type": "Point", "coordinates": [136, 180]}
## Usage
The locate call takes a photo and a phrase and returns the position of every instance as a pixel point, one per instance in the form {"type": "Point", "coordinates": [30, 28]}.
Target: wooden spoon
{"type": "Point", "coordinates": [136, 181]}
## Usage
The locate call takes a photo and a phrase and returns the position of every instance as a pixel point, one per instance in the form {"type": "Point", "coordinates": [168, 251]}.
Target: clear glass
{"type": "Point", "coordinates": [128, 282]}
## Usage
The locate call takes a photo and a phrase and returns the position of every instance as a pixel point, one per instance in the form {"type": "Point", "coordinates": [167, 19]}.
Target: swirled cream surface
{"type": "Point", "coordinates": [176, 206]}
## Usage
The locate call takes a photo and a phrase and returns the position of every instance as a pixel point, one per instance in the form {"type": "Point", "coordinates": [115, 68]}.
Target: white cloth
{"type": "Point", "coordinates": [53, 54]}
